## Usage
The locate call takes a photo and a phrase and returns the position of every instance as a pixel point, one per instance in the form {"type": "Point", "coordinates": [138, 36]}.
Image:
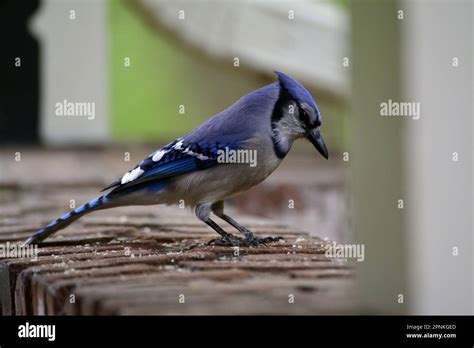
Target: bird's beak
{"type": "Point", "coordinates": [316, 139]}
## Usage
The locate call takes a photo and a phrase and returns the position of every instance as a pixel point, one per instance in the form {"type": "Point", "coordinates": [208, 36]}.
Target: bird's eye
{"type": "Point", "coordinates": [304, 116]}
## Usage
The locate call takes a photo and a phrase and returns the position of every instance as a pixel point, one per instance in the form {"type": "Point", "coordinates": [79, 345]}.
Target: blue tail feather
{"type": "Point", "coordinates": [66, 219]}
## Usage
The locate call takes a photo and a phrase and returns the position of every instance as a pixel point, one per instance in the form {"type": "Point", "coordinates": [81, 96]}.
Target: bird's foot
{"type": "Point", "coordinates": [227, 240]}
{"type": "Point", "coordinates": [249, 241]}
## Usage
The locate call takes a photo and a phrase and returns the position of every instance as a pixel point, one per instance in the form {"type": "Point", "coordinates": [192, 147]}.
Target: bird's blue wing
{"type": "Point", "coordinates": [198, 149]}
{"type": "Point", "coordinates": [176, 158]}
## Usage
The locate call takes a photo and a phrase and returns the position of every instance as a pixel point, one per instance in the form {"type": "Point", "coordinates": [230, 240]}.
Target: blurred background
{"type": "Point", "coordinates": [155, 69]}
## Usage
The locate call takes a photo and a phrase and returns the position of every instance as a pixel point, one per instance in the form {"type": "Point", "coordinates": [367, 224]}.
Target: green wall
{"type": "Point", "coordinates": [164, 73]}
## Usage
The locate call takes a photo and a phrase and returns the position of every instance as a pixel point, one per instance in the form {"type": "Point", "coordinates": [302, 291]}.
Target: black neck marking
{"type": "Point", "coordinates": [283, 102]}
{"type": "Point", "coordinates": [279, 152]}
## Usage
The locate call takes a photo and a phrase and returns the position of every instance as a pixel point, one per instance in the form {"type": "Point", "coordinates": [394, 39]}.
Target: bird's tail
{"type": "Point", "coordinates": [67, 219]}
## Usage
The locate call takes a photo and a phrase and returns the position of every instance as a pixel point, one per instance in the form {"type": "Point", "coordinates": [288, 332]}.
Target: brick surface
{"type": "Point", "coordinates": [149, 260]}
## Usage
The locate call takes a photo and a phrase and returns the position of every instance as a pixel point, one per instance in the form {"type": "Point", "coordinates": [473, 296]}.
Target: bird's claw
{"type": "Point", "coordinates": [249, 241]}
{"type": "Point", "coordinates": [228, 240]}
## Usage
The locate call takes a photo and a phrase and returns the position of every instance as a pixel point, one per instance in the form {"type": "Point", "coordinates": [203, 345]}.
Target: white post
{"type": "Point", "coordinates": [73, 70]}
{"type": "Point", "coordinates": [438, 150]}
{"type": "Point", "coordinates": [415, 52]}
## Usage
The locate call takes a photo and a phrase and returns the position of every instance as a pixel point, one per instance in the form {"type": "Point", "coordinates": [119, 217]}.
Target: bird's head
{"type": "Point", "coordinates": [296, 115]}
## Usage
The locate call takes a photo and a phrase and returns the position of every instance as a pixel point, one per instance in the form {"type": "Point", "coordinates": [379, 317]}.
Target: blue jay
{"type": "Point", "coordinates": [265, 121]}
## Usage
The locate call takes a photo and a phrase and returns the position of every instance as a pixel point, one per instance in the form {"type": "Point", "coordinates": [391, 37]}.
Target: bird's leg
{"type": "Point", "coordinates": [218, 209]}
{"type": "Point", "coordinates": [227, 238]}
{"type": "Point", "coordinates": [203, 212]}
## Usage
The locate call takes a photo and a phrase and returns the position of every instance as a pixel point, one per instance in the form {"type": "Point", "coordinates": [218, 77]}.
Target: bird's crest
{"type": "Point", "coordinates": [296, 90]}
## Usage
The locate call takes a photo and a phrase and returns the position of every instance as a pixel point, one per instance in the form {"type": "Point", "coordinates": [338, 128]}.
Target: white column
{"type": "Point", "coordinates": [73, 68]}
{"type": "Point", "coordinates": [439, 196]}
